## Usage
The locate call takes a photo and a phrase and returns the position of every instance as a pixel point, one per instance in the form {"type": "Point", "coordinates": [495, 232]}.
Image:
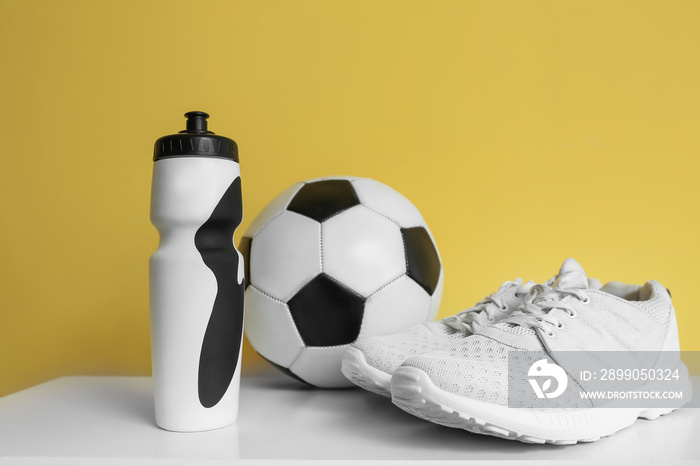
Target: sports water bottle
{"type": "Point", "coordinates": [196, 279]}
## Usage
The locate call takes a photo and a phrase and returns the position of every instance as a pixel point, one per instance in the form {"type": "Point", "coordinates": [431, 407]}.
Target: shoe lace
{"type": "Point", "coordinates": [486, 311]}
{"type": "Point", "coordinates": [543, 300]}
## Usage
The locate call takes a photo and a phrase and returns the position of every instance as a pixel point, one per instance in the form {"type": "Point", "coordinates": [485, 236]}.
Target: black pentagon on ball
{"type": "Point", "coordinates": [327, 313]}
{"type": "Point", "coordinates": [244, 248]}
{"type": "Point", "coordinates": [422, 260]}
{"type": "Point", "coordinates": [320, 200]}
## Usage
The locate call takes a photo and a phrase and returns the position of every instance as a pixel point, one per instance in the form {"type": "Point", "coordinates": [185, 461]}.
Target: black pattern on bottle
{"type": "Point", "coordinates": [222, 340]}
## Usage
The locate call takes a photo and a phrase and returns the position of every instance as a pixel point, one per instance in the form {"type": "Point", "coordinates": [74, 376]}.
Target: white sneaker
{"type": "Point", "coordinates": [467, 385]}
{"type": "Point", "coordinates": [370, 361]}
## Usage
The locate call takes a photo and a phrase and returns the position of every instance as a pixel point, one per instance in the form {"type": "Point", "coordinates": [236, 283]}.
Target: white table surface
{"type": "Point", "coordinates": [107, 420]}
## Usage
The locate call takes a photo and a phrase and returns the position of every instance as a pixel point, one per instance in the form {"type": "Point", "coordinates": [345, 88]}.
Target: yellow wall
{"type": "Point", "coordinates": [526, 132]}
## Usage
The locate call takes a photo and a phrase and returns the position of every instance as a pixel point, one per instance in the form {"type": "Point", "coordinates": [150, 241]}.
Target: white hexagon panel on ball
{"type": "Point", "coordinates": [401, 304]}
{"type": "Point", "coordinates": [270, 328]}
{"type": "Point", "coordinates": [362, 249]}
{"type": "Point", "coordinates": [285, 254]}
{"type": "Point", "coordinates": [320, 367]}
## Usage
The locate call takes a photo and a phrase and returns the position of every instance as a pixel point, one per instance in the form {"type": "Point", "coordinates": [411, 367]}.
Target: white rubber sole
{"type": "Point", "coordinates": [355, 368]}
{"type": "Point", "coordinates": [414, 392]}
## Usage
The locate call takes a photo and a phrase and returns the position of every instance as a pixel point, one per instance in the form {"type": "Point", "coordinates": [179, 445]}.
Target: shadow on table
{"type": "Point", "coordinates": [373, 418]}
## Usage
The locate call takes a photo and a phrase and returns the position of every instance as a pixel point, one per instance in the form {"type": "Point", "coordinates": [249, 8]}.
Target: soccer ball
{"type": "Point", "coordinates": [331, 260]}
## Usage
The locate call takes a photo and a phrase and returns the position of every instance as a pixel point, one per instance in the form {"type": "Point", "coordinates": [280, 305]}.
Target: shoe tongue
{"type": "Point", "coordinates": [507, 285]}
{"type": "Point", "coordinates": [571, 275]}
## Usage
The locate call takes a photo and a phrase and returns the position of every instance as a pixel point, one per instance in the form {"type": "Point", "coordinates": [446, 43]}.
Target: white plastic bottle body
{"type": "Point", "coordinates": [196, 276]}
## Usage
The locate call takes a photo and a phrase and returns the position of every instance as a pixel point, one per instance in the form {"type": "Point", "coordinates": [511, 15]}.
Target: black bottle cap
{"type": "Point", "coordinates": [195, 141]}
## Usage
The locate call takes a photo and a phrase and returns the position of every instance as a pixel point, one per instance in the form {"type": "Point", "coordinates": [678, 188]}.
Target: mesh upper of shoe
{"type": "Point", "coordinates": [476, 367]}
{"type": "Point", "coordinates": [386, 353]}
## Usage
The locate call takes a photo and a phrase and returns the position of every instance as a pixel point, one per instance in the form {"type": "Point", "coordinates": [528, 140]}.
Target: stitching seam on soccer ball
{"type": "Point", "coordinates": [267, 222]}
{"type": "Point", "coordinates": [339, 212]}
{"type": "Point", "coordinates": [382, 214]}
{"type": "Point", "coordinates": [296, 331]}
{"type": "Point", "coordinates": [266, 294]}
{"type": "Point", "coordinates": [320, 243]}
{"type": "Point", "coordinates": [347, 287]}
{"type": "Point", "coordinates": [393, 280]}
{"type": "Point", "coordinates": [287, 310]}
{"type": "Point", "coordinates": [362, 324]}
{"type": "Point", "coordinates": [405, 250]}
{"type": "Point", "coordinates": [298, 289]}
